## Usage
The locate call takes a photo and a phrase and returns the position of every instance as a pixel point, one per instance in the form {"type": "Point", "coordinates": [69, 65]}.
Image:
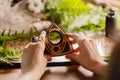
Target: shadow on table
{"type": "Point", "coordinates": [68, 73]}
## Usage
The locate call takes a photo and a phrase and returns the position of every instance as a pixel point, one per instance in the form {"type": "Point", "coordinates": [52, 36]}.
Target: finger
{"type": "Point", "coordinates": [77, 37]}
{"type": "Point", "coordinates": [40, 45]}
{"type": "Point", "coordinates": [48, 57]}
{"type": "Point", "coordinates": [67, 57]}
{"type": "Point", "coordinates": [42, 36]}
{"type": "Point", "coordinates": [73, 41]}
{"type": "Point", "coordinates": [39, 49]}
{"type": "Point", "coordinates": [73, 56]}
{"type": "Point", "coordinates": [29, 45]}
{"type": "Point", "coordinates": [74, 52]}
{"type": "Point", "coordinates": [72, 35]}
{"type": "Point", "coordinates": [77, 50]}
{"type": "Point", "coordinates": [94, 45]}
{"type": "Point", "coordinates": [89, 46]}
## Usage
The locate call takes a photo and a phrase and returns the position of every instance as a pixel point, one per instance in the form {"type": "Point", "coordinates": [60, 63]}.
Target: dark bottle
{"type": "Point", "coordinates": [110, 27]}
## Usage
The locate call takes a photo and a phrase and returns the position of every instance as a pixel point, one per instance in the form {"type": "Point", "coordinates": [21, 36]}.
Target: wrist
{"type": "Point", "coordinates": [100, 68]}
{"type": "Point", "coordinates": [30, 76]}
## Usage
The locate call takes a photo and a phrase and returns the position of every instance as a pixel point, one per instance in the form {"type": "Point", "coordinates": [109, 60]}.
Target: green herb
{"type": "Point", "coordinates": [65, 11]}
{"type": "Point", "coordinates": [92, 21]}
{"type": "Point", "coordinates": [76, 16]}
{"type": "Point", "coordinates": [7, 54]}
{"type": "Point", "coordinates": [17, 36]}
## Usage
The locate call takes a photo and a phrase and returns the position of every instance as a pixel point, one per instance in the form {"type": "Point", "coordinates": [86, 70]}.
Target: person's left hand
{"type": "Point", "coordinates": [34, 62]}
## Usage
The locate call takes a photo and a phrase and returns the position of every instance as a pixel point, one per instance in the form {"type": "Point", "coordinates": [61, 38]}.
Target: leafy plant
{"type": "Point", "coordinates": [75, 15]}
{"type": "Point", "coordinates": [17, 36]}
{"type": "Point", "coordinates": [92, 21]}
{"type": "Point", "coordinates": [65, 11]}
{"type": "Point", "coordinates": [7, 54]}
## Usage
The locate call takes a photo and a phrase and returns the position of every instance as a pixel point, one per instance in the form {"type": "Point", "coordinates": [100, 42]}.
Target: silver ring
{"type": "Point", "coordinates": [34, 39]}
{"type": "Point", "coordinates": [40, 38]}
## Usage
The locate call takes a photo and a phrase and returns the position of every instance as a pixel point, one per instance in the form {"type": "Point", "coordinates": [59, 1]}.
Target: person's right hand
{"type": "Point", "coordinates": [88, 55]}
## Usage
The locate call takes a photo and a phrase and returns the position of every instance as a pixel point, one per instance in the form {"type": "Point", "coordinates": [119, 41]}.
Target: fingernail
{"type": "Point", "coordinates": [83, 40]}
{"type": "Point", "coordinates": [43, 32]}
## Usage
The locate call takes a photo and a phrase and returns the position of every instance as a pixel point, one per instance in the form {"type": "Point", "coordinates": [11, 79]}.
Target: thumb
{"type": "Point", "coordinates": [43, 35]}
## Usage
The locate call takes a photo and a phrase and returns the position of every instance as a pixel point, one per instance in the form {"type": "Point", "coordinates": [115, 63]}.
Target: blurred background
{"type": "Point", "coordinates": [21, 19]}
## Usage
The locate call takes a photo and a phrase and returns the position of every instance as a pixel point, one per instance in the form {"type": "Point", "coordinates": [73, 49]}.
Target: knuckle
{"type": "Point", "coordinates": [84, 41]}
{"type": "Point", "coordinates": [38, 44]}
{"type": "Point", "coordinates": [30, 44]}
{"type": "Point", "coordinates": [76, 34]}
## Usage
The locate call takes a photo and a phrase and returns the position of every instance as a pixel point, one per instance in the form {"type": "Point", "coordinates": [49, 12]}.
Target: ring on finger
{"type": "Point", "coordinates": [40, 38]}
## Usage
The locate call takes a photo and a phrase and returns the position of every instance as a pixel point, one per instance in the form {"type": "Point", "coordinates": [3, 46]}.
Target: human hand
{"type": "Point", "coordinates": [34, 62]}
{"type": "Point", "coordinates": [88, 55]}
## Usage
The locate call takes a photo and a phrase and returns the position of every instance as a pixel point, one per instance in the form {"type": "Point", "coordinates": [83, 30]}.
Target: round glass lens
{"type": "Point", "coordinates": [54, 37]}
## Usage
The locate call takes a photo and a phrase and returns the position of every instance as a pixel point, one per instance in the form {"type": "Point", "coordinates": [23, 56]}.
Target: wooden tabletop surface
{"type": "Point", "coordinates": [53, 73]}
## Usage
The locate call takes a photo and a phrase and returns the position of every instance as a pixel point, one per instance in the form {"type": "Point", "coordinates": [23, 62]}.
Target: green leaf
{"type": "Point", "coordinates": [6, 54]}
{"type": "Point", "coordinates": [65, 11]}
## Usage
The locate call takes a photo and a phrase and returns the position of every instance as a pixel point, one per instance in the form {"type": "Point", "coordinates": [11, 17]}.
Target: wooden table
{"type": "Point", "coordinates": [60, 73]}
{"type": "Point", "coordinates": [53, 73]}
